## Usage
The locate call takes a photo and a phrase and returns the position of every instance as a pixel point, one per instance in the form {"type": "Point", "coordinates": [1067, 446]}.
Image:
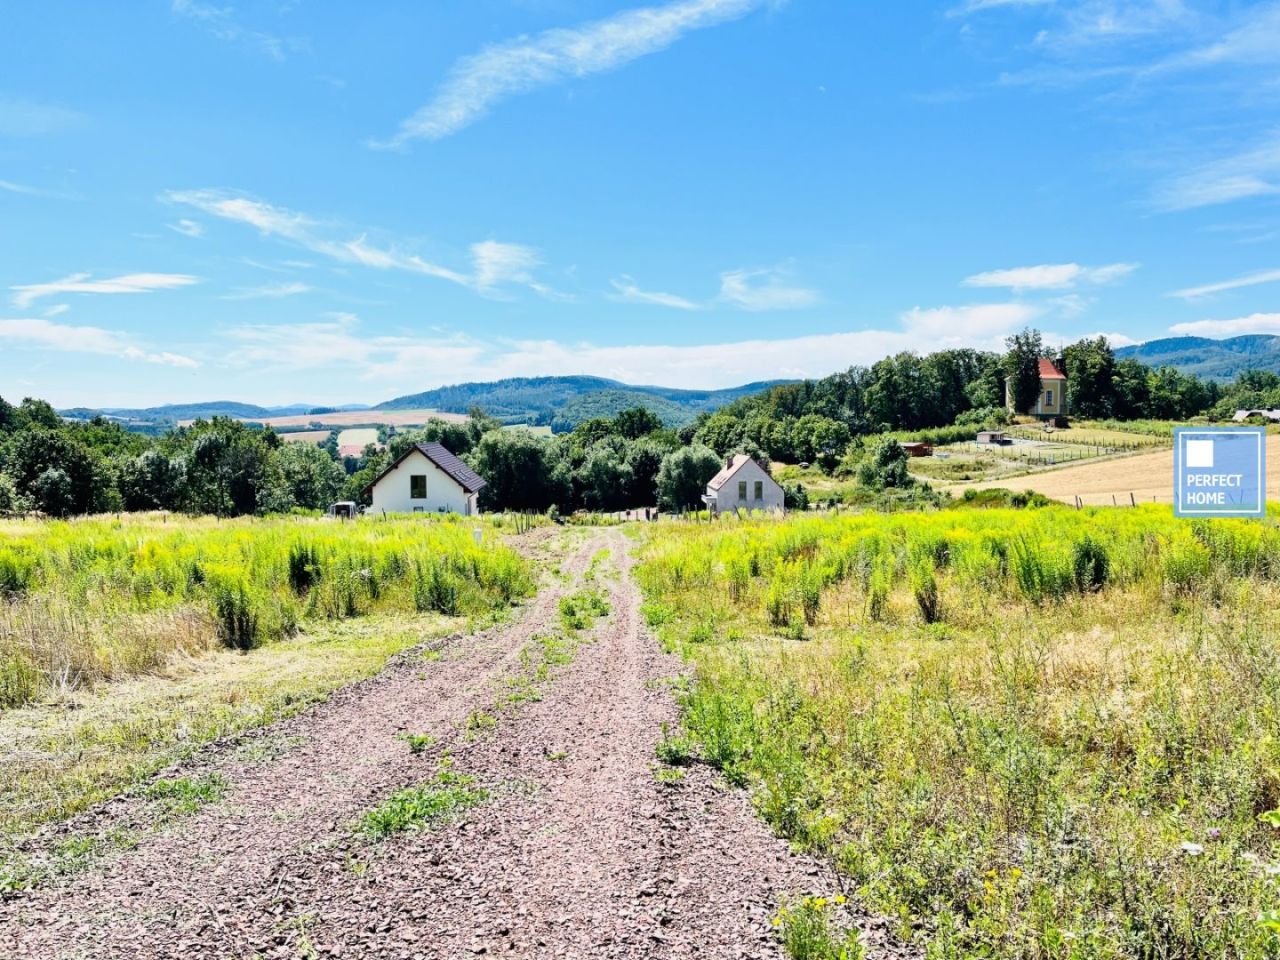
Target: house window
{"type": "Point", "coordinates": [759, 489]}
{"type": "Point", "coordinates": [1048, 398]}
{"type": "Point", "coordinates": [418, 487]}
{"type": "Point", "coordinates": [742, 489]}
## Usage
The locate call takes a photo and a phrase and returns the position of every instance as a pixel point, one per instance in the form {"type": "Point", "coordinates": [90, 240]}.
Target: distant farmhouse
{"type": "Point", "coordinates": [1241, 416]}
{"type": "Point", "coordinates": [1052, 402]}
{"type": "Point", "coordinates": [427, 478]}
{"type": "Point", "coordinates": [743, 483]}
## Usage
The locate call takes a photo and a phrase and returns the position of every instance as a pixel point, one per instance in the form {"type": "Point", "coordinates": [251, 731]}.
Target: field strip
{"type": "Point", "coordinates": [1148, 476]}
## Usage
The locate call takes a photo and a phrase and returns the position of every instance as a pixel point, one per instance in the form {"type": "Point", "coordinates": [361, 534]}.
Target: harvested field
{"type": "Point", "coordinates": [1148, 476]}
{"type": "Point", "coordinates": [349, 418]}
{"type": "Point", "coordinates": [306, 436]}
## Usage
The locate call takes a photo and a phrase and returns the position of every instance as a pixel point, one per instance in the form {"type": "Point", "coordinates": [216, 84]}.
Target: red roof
{"type": "Point", "coordinates": [1049, 372]}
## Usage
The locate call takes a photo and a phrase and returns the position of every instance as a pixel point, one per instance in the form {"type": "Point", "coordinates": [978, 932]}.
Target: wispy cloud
{"type": "Point", "coordinates": [1249, 280]}
{"type": "Point", "coordinates": [1254, 173]}
{"type": "Point", "coordinates": [766, 288]}
{"type": "Point", "coordinates": [494, 266]}
{"type": "Point", "coordinates": [1235, 327]}
{"type": "Point", "coordinates": [272, 291]}
{"type": "Point", "coordinates": [627, 290]}
{"type": "Point", "coordinates": [44, 334]}
{"type": "Point", "coordinates": [977, 6]}
{"type": "Point", "coordinates": [29, 118]}
{"type": "Point", "coordinates": [188, 228]}
{"type": "Point", "coordinates": [413, 360]}
{"type": "Point", "coordinates": [25, 190]}
{"type": "Point", "coordinates": [478, 82]}
{"type": "Point", "coordinates": [221, 22]}
{"type": "Point", "coordinates": [27, 294]}
{"type": "Point", "coordinates": [1050, 276]}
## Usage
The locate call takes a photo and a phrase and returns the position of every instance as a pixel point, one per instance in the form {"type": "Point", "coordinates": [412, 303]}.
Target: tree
{"type": "Point", "coordinates": [722, 432]}
{"type": "Point", "coordinates": [151, 481]}
{"type": "Point", "coordinates": [604, 479]}
{"type": "Point", "coordinates": [885, 466]}
{"type": "Point", "coordinates": [53, 493]}
{"type": "Point", "coordinates": [521, 471]}
{"type": "Point", "coordinates": [684, 474]}
{"type": "Point", "coordinates": [1091, 370]}
{"type": "Point", "coordinates": [636, 423]}
{"type": "Point", "coordinates": [11, 501]}
{"type": "Point", "coordinates": [312, 477]}
{"type": "Point", "coordinates": [1022, 367]}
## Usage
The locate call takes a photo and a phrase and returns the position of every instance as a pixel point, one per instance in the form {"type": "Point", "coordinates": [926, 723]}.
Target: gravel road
{"type": "Point", "coordinates": [579, 852]}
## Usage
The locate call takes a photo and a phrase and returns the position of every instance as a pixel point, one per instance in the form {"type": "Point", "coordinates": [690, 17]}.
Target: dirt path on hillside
{"type": "Point", "coordinates": [580, 852]}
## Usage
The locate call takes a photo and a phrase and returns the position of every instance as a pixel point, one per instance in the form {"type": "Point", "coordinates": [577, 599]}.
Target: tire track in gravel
{"type": "Point", "coordinates": [590, 856]}
{"type": "Point", "coordinates": [207, 885]}
{"type": "Point", "coordinates": [580, 853]}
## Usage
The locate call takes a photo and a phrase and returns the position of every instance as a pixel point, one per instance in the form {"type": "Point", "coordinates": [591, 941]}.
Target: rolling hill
{"type": "Point", "coordinates": [568, 400]}
{"type": "Point", "coordinates": [1212, 359]}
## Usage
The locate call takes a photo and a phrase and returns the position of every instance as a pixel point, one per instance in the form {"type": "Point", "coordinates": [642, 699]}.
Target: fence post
{"type": "Point", "coordinates": [1133, 501]}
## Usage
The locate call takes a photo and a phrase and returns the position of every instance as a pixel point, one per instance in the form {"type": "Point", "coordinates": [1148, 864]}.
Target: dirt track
{"type": "Point", "coordinates": [581, 852]}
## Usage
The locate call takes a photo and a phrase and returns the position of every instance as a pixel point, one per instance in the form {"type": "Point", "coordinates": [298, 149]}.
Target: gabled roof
{"type": "Point", "coordinates": [739, 461]}
{"type": "Point", "coordinates": [1050, 372]}
{"type": "Point", "coordinates": [440, 455]}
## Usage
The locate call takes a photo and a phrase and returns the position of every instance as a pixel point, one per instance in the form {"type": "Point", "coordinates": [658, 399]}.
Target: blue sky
{"type": "Point", "coordinates": [290, 200]}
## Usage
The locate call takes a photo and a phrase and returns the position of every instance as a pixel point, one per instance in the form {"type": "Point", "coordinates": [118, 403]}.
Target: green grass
{"type": "Point", "coordinates": [1018, 733]}
{"type": "Point", "coordinates": [441, 799]}
{"type": "Point", "coordinates": [183, 795]}
{"type": "Point", "coordinates": [62, 758]}
{"type": "Point", "coordinates": [93, 600]}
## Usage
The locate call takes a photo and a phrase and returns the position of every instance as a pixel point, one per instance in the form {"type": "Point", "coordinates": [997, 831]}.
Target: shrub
{"type": "Point", "coordinates": [1090, 565]}
{"type": "Point", "coordinates": [304, 566]}
{"type": "Point", "coordinates": [236, 618]}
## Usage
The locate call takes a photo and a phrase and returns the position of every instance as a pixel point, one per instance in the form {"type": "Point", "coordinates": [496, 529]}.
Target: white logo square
{"type": "Point", "coordinates": [1198, 453]}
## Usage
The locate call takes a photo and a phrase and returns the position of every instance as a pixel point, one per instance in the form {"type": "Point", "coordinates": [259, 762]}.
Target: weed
{"type": "Point", "coordinates": [808, 931]}
{"type": "Point", "coordinates": [418, 742]}
{"type": "Point", "coordinates": [442, 798]}
{"type": "Point", "coordinates": [675, 749]}
{"type": "Point", "coordinates": [183, 795]}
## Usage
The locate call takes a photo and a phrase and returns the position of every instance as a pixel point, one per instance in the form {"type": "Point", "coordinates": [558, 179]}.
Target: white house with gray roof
{"type": "Point", "coordinates": [743, 484]}
{"type": "Point", "coordinates": [426, 478]}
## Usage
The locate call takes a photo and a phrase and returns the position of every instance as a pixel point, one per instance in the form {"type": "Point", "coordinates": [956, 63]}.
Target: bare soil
{"type": "Point", "coordinates": [581, 851]}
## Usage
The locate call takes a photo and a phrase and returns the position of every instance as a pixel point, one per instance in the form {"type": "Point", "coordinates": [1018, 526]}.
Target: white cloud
{"type": "Point", "coordinates": [23, 189]}
{"type": "Point", "coordinates": [221, 23]}
{"type": "Point", "coordinates": [1254, 323]}
{"type": "Point", "coordinates": [411, 361]}
{"type": "Point", "coordinates": [57, 310]}
{"type": "Point", "coordinates": [764, 289]}
{"type": "Point", "coordinates": [627, 290]}
{"type": "Point", "coordinates": [1254, 173]}
{"type": "Point", "coordinates": [272, 291]}
{"type": "Point", "coordinates": [188, 228]}
{"type": "Point", "coordinates": [43, 334]}
{"type": "Point", "coordinates": [941, 327]}
{"type": "Point", "coordinates": [80, 283]}
{"type": "Point", "coordinates": [1249, 280]}
{"type": "Point", "coordinates": [478, 82]}
{"type": "Point", "coordinates": [1050, 276]}
{"type": "Point", "coordinates": [493, 264]}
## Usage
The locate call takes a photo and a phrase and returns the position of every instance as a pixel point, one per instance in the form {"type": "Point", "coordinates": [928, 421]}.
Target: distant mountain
{"type": "Point", "coordinates": [565, 401]}
{"type": "Point", "coordinates": [195, 411]}
{"type": "Point", "coordinates": [1211, 359]}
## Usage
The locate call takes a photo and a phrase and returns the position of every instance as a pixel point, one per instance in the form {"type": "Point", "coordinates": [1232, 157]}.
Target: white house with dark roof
{"type": "Point", "coordinates": [743, 483]}
{"type": "Point", "coordinates": [426, 478]}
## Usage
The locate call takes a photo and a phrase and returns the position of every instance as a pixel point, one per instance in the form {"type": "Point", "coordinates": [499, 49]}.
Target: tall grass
{"type": "Point", "coordinates": [1029, 734]}
{"type": "Point", "coordinates": [91, 600]}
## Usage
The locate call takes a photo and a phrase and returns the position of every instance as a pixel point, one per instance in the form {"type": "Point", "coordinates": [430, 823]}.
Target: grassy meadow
{"type": "Point", "coordinates": [1040, 733]}
{"type": "Point", "coordinates": [126, 643]}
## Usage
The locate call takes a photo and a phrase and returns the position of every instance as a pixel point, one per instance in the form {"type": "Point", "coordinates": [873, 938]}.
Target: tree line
{"type": "Point", "coordinates": [225, 467]}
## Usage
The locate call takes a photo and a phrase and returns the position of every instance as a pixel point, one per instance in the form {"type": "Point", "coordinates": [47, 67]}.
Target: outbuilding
{"type": "Point", "coordinates": [918, 448]}
{"type": "Point", "coordinates": [993, 437]}
{"type": "Point", "coordinates": [743, 484]}
{"type": "Point", "coordinates": [426, 478]}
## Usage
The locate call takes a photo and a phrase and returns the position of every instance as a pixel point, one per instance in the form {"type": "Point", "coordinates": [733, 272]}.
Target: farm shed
{"type": "Point", "coordinates": [743, 483]}
{"type": "Point", "coordinates": [1241, 416]}
{"type": "Point", "coordinates": [427, 478]}
{"type": "Point", "coordinates": [918, 448]}
{"type": "Point", "coordinates": [993, 437]}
